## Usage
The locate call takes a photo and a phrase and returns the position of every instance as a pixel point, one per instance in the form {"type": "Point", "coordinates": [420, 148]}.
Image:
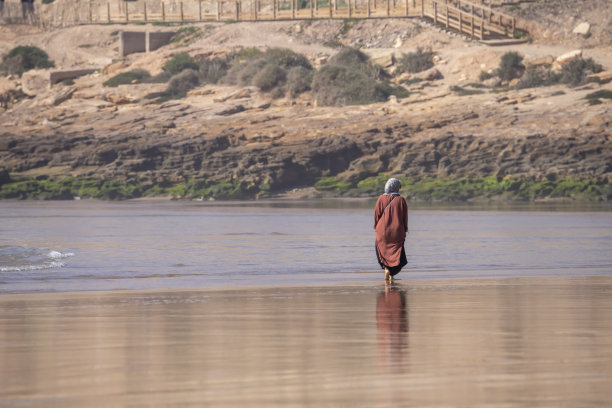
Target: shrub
{"type": "Point", "coordinates": [510, 66]}
{"type": "Point", "coordinates": [269, 77]}
{"type": "Point", "coordinates": [47, 1]}
{"type": "Point", "coordinates": [534, 77]}
{"type": "Point", "coordinates": [594, 98]}
{"type": "Point", "coordinates": [355, 60]}
{"type": "Point", "coordinates": [415, 61]}
{"type": "Point", "coordinates": [299, 80]}
{"type": "Point", "coordinates": [575, 72]}
{"type": "Point", "coordinates": [335, 85]}
{"type": "Point", "coordinates": [464, 91]}
{"type": "Point", "coordinates": [180, 62]}
{"type": "Point", "coordinates": [24, 58]}
{"type": "Point", "coordinates": [270, 71]}
{"type": "Point", "coordinates": [139, 75]}
{"type": "Point", "coordinates": [212, 70]}
{"type": "Point", "coordinates": [483, 76]}
{"type": "Point", "coordinates": [286, 58]}
{"type": "Point", "coordinates": [181, 83]}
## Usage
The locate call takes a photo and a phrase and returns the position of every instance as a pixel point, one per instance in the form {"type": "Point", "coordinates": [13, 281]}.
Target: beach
{"type": "Point", "coordinates": [515, 342]}
{"type": "Point", "coordinates": [282, 304]}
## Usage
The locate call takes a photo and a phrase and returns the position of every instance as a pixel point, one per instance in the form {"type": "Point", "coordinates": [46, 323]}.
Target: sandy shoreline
{"type": "Point", "coordinates": [537, 342]}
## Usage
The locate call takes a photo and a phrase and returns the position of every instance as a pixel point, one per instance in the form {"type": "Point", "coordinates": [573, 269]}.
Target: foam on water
{"type": "Point", "coordinates": [19, 259]}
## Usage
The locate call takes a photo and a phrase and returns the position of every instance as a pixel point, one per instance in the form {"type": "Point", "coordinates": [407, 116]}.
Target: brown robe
{"type": "Point", "coordinates": [391, 226]}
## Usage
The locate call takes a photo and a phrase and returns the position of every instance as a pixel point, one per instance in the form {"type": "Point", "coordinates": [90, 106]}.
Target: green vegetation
{"type": "Point", "coordinates": [443, 190]}
{"type": "Point", "coordinates": [24, 58]}
{"type": "Point", "coordinates": [483, 76]}
{"type": "Point", "coordinates": [465, 91]}
{"type": "Point", "coordinates": [348, 24]}
{"type": "Point", "coordinates": [417, 61]}
{"type": "Point", "coordinates": [595, 98]}
{"type": "Point", "coordinates": [186, 35]}
{"type": "Point", "coordinates": [278, 71]}
{"type": "Point", "coordinates": [464, 189]}
{"type": "Point", "coordinates": [349, 78]}
{"type": "Point", "coordinates": [47, 1]}
{"type": "Point", "coordinates": [135, 75]}
{"type": "Point", "coordinates": [179, 63]}
{"type": "Point", "coordinates": [575, 72]}
{"type": "Point", "coordinates": [535, 76]}
{"type": "Point", "coordinates": [70, 187]}
{"type": "Point", "coordinates": [510, 67]}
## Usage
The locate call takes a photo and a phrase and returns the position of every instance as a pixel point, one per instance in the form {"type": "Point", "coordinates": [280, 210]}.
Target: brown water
{"type": "Point", "coordinates": [518, 342]}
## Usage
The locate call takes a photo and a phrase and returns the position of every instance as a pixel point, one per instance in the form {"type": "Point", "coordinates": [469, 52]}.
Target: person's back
{"type": "Point", "coordinates": [391, 225]}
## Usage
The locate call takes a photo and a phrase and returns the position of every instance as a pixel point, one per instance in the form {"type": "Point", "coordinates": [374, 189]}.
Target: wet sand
{"type": "Point", "coordinates": [523, 342]}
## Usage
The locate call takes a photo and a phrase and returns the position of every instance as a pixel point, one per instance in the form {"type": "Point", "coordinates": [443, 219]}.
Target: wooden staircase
{"type": "Point", "coordinates": [474, 20]}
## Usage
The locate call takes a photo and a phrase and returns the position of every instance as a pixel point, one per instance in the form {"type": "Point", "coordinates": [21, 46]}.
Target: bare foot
{"type": "Point", "coordinates": [387, 275]}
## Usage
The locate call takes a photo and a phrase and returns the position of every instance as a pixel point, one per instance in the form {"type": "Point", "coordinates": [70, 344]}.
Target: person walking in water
{"type": "Point", "coordinates": [391, 225]}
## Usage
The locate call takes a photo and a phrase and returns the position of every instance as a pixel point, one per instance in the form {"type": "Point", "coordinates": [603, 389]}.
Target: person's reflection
{"type": "Point", "coordinates": [392, 325]}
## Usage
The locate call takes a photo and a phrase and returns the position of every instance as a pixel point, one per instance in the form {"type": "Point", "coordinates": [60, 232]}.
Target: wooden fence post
{"type": "Point", "coordinates": [274, 9]}
{"type": "Point", "coordinates": [237, 11]}
{"type": "Point", "coordinates": [200, 10]}
{"type": "Point", "coordinates": [329, 3]}
{"type": "Point", "coordinates": [422, 8]}
{"type": "Point", "coordinates": [108, 11]}
{"type": "Point", "coordinates": [311, 10]}
{"type": "Point", "coordinates": [254, 5]}
{"type": "Point", "coordinates": [350, 11]}
{"type": "Point", "coordinates": [446, 6]}
{"type": "Point", "coordinates": [472, 26]}
{"type": "Point", "coordinates": [127, 14]}
{"type": "Point", "coordinates": [435, 13]}
{"type": "Point", "coordinates": [513, 27]}
{"type": "Point", "coordinates": [163, 11]}
{"type": "Point", "coordinates": [218, 10]}
{"type": "Point", "coordinates": [369, 11]}
{"type": "Point", "coordinates": [388, 8]}
{"type": "Point", "coordinates": [145, 11]}
{"type": "Point", "coordinates": [182, 16]}
{"type": "Point", "coordinates": [292, 9]}
{"type": "Point", "coordinates": [460, 23]}
{"type": "Point", "coordinates": [406, 8]}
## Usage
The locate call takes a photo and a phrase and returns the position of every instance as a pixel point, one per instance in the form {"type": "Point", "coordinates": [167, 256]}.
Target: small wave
{"type": "Point", "coordinates": [20, 259]}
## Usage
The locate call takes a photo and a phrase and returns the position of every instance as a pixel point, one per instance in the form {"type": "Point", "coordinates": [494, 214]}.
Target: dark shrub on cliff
{"type": "Point", "coordinates": [138, 75]}
{"type": "Point", "coordinates": [534, 77]}
{"type": "Point", "coordinates": [335, 85]}
{"type": "Point", "coordinates": [269, 77]}
{"type": "Point", "coordinates": [299, 80]}
{"type": "Point", "coordinates": [349, 78]}
{"type": "Point", "coordinates": [212, 70]}
{"type": "Point", "coordinates": [181, 83]}
{"type": "Point", "coordinates": [355, 60]}
{"type": "Point", "coordinates": [417, 61]}
{"type": "Point", "coordinates": [24, 58]}
{"type": "Point", "coordinates": [277, 71]}
{"type": "Point", "coordinates": [510, 67]}
{"type": "Point", "coordinates": [180, 62]}
{"type": "Point", "coordinates": [575, 72]}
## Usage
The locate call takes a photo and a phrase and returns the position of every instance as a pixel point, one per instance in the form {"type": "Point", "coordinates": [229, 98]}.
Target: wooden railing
{"type": "Point", "coordinates": [472, 19]}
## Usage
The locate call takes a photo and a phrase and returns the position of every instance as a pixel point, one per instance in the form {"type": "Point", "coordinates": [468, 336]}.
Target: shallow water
{"type": "Point", "coordinates": [90, 245]}
{"type": "Point", "coordinates": [518, 342]}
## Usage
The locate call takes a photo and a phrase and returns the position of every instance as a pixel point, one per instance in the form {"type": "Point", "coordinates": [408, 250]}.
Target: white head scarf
{"type": "Point", "coordinates": [392, 186]}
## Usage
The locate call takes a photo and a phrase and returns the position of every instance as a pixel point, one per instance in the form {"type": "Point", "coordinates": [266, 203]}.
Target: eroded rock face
{"type": "Point", "coordinates": [294, 146]}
